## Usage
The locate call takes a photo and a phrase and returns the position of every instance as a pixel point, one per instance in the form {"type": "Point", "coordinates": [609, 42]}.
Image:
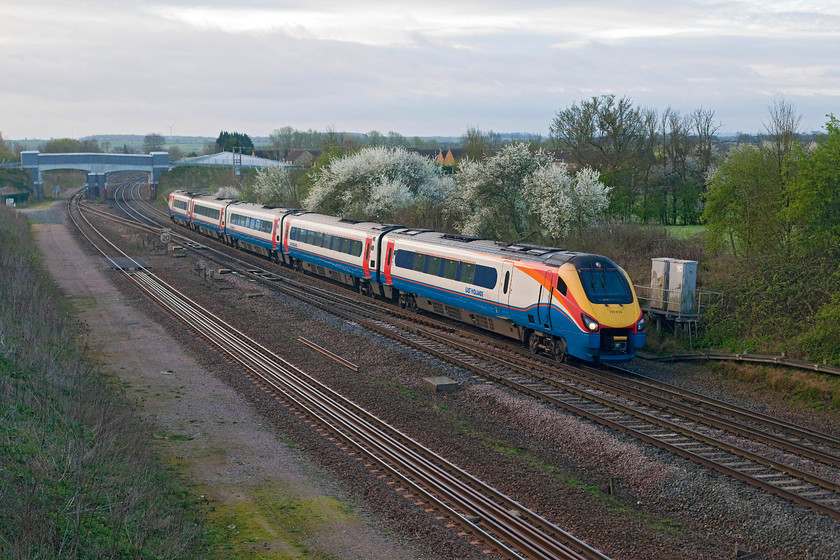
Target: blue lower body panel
{"type": "Point", "coordinates": [327, 262]}
{"type": "Point", "coordinates": [253, 240]}
{"type": "Point", "coordinates": [469, 301]}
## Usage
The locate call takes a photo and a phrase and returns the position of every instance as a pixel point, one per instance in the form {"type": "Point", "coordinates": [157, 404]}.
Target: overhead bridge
{"type": "Point", "coordinates": [96, 166]}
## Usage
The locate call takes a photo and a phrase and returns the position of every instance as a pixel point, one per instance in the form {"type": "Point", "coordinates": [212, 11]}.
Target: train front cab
{"type": "Point", "coordinates": [609, 321]}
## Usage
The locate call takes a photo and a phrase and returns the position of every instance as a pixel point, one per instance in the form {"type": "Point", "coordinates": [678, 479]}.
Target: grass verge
{"type": "Point", "coordinates": [77, 476]}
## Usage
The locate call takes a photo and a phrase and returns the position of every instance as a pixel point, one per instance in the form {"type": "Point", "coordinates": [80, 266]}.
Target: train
{"type": "Point", "coordinates": [553, 301]}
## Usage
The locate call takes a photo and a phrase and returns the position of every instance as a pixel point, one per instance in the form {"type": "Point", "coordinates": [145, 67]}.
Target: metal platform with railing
{"type": "Point", "coordinates": [672, 300]}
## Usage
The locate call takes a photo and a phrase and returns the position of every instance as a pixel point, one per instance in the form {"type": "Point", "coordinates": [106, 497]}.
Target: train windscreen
{"type": "Point", "coordinates": [605, 286]}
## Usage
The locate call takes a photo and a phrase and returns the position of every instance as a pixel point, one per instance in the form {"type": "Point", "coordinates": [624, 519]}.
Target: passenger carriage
{"type": "Point", "coordinates": [342, 249]}
{"type": "Point", "coordinates": [208, 215]}
{"type": "Point", "coordinates": [534, 294]}
{"type": "Point", "coordinates": [255, 228]}
{"type": "Point", "coordinates": [447, 274]}
{"type": "Point", "coordinates": [180, 203]}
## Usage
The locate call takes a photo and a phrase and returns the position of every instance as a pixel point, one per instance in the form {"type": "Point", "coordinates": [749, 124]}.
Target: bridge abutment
{"type": "Point", "coordinates": [95, 185]}
{"type": "Point", "coordinates": [29, 162]}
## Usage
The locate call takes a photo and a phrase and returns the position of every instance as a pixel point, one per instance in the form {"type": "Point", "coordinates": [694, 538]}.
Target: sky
{"type": "Point", "coordinates": [430, 68]}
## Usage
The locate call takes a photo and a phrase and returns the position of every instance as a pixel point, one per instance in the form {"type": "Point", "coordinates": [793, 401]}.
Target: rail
{"type": "Point", "coordinates": [744, 357]}
{"type": "Point", "coordinates": [512, 530]}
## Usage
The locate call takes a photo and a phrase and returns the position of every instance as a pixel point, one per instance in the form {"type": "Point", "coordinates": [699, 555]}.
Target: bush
{"type": "Point", "coordinates": [632, 246]}
{"type": "Point", "coordinates": [822, 340]}
{"type": "Point", "coordinates": [773, 305]}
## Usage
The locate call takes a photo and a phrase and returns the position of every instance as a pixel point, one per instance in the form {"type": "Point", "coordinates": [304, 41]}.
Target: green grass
{"type": "Point", "coordinates": [77, 474]}
{"type": "Point", "coordinates": [685, 232]}
{"type": "Point", "coordinates": [802, 388]}
{"type": "Point", "coordinates": [271, 524]}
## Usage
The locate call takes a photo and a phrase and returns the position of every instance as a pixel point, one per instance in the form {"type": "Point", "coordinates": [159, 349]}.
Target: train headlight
{"type": "Point", "coordinates": [640, 326]}
{"type": "Point", "coordinates": [590, 323]}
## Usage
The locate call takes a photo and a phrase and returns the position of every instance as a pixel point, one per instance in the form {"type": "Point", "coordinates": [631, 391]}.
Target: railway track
{"type": "Point", "coordinates": [503, 526]}
{"type": "Point", "coordinates": [792, 462]}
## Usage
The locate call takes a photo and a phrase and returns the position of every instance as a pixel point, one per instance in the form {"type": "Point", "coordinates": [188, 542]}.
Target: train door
{"type": "Point", "coordinates": [367, 262]}
{"type": "Point", "coordinates": [275, 234]}
{"type": "Point", "coordinates": [288, 223]}
{"type": "Point", "coordinates": [506, 288]}
{"type": "Point", "coordinates": [545, 297]}
{"type": "Point", "coordinates": [389, 258]}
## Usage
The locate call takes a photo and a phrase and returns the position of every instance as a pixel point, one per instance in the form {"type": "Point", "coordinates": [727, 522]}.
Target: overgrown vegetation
{"type": "Point", "coordinates": [820, 392]}
{"type": "Point", "coordinates": [202, 179]}
{"type": "Point", "coordinates": [776, 206]}
{"type": "Point", "coordinates": [77, 479]}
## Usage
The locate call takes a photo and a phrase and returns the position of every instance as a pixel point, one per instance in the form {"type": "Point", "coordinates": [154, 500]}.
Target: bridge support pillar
{"type": "Point", "coordinates": [153, 191]}
{"type": "Point", "coordinates": [95, 185]}
{"type": "Point", "coordinates": [29, 161]}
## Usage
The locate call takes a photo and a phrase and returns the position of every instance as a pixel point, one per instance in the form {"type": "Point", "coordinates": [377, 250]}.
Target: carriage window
{"type": "Point", "coordinates": [467, 273]}
{"type": "Point", "coordinates": [450, 269]}
{"type": "Point", "coordinates": [208, 212]}
{"type": "Point", "coordinates": [404, 259]}
{"type": "Point", "coordinates": [485, 277]}
{"type": "Point", "coordinates": [507, 281]}
{"type": "Point", "coordinates": [434, 265]}
{"type": "Point", "coordinates": [419, 262]}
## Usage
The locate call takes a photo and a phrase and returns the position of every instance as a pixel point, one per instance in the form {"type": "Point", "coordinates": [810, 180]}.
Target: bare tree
{"type": "Point", "coordinates": [282, 140]}
{"type": "Point", "coordinates": [479, 145]}
{"type": "Point", "coordinates": [331, 138]}
{"type": "Point", "coordinates": [705, 127]}
{"type": "Point", "coordinates": [153, 142]}
{"type": "Point", "coordinates": [782, 129]}
{"type": "Point", "coordinates": [375, 138]}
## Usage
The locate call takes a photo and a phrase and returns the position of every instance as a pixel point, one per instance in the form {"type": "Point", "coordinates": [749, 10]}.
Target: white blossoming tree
{"type": "Point", "coordinates": [518, 191]}
{"type": "Point", "coordinates": [380, 184]}
{"type": "Point", "coordinates": [228, 192]}
{"type": "Point", "coordinates": [273, 186]}
{"type": "Point", "coordinates": [563, 200]}
{"type": "Point", "coordinates": [491, 202]}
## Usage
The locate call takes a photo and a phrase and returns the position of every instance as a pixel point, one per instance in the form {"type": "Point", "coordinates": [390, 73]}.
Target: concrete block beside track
{"type": "Point", "coordinates": [441, 384]}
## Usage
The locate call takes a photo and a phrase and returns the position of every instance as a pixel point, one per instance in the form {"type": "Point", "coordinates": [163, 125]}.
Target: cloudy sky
{"type": "Point", "coordinates": [72, 69]}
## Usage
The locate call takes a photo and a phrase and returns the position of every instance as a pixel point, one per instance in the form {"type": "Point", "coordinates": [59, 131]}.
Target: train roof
{"type": "Point", "coordinates": [549, 256]}
{"type": "Point", "coordinates": [347, 223]}
{"type": "Point", "coordinates": [256, 208]}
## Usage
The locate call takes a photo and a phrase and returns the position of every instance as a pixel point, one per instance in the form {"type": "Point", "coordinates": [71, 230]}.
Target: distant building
{"type": "Point", "coordinates": [448, 159]}
{"type": "Point", "coordinates": [225, 159]}
{"type": "Point", "coordinates": [302, 158]}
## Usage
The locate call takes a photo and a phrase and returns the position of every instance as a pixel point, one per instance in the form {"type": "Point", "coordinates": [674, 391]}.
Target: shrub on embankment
{"type": "Point", "coordinates": [77, 479]}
